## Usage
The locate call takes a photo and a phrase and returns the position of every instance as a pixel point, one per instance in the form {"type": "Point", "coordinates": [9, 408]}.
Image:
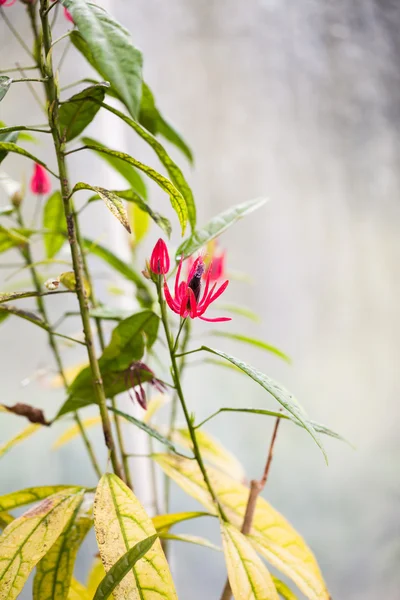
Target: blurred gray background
{"type": "Point", "coordinates": [298, 101]}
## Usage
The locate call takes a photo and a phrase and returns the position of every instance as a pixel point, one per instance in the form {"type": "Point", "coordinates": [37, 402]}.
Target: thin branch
{"type": "Point", "coordinates": [61, 38]}
{"type": "Point", "coordinates": [24, 79]}
{"type": "Point", "coordinates": [76, 150]}
{"type": "Point", "coordinates": [13, 69]}
{"type": "Point", "coordinates": [23, 128]}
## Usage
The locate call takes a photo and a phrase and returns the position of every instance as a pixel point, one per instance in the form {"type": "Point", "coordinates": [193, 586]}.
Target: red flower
{"type": "Point", "coordinates": [159, 261]}
{"type": "Point", "coordinates": [187, 301]}
{"type": "Point", "coordinates": [40, 182]}
{"type": "Point", "coordinates": [7, 2]}
{"type": "Point", "coordinates": [133, 381]}
{"type": "Point", "coordinates": [68, 15]}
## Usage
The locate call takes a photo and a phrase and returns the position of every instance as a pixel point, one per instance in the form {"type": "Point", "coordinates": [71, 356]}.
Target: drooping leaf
{"type": "Point", "coordinates": [172, 168]}
{"type": "Point", "coordinates": [54, 572]}
{"type": "Point", "coordinates": [248, 576]}
{"type": "Point", "coordinates": [121, 522]}
{"type": "Point", "coordinates": [27, 539]}
{"type": "Point", "coordinates": [174, 137]}
{"type": "Point", "coordinates": [32, 413]}
{"type": "Point", "coordinates": [252, 341]}
{"type": "Point", "coordinates": [111, 200]}
{"type": "Point", "coordinates": [78, 111]}
{"type": "Point", "coordinates": [283, 590]}
{"type": "Point", "coordinates": [154, 405]}
{"type": "Point", "coordinates": [5, 83]}
{"type": "Point", "coordinates": [165, 522]}
{"type": "Point", "coordinates": [177, 201]}
{"type": "Point", "coordinates": [122, 567]}
{"type": "Point", "coordinates": [13, 237]}
{"type": "Point", "coordinates": [111, 50]}
{"type": "Point", "coordinates": [11, 147]}
{"type": "Point", "coordinates": [189, 539]}
{"type": "Point", "coordinates": [216, 226]}
{"type": "Point", "coordinates": [212, 451]}
{"type": "Point", "coordinates": [144, 295]}
{"type": "Point", "coordinates": [16, 439]}
{"type": "Point", "coordinates": [285, 398]}
{"type": "Point", "coordinates": [7, 136]}
{"type": "Point", "coordinates": [29, 495]}
{"type": "Point", "coordinates": [271, 534]}
{"type": "Point", "coordinates": [126, 170]}
{"type": "Point", "coordinates": [74, 431]}
{"type": "Point", "coordinates": [133, 198]}
{"type": "Point", "coordinates": [54, 221]}
{"type": "Point", "coordinates": [147, 429]}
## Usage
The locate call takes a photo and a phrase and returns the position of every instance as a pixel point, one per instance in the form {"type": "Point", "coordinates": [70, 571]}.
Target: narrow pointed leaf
{"type": "Point", "coordinates": [271, 534]}
{"type": "Point", "coordinates": [29, 495]}
{"type": "Point", "coordinates": [5, 83]}
{"type": "Point", "coordinates": [122, 567]}
{"type": "Point", "coordinates": [77, 591]}
{"type": "Point", "coordinates": [121, 522]}
{"type": "Point", "coordinates": [172, 168]}
{"type": "Point", "coordinates": [20, 437]}
{"type": "Point", "coordinates": [13, 237]}
{"type": "Point", "coordinates": [7, 135]}
{"type": "Point", "coordinates": [174, 137]}
{"type": "Point", "coordinates": [216, 226]}
{"type": "Point", "coordinates": [74, 431]}
{"type": "Point", "coordinates": [54, 572]}
{"type": "Point", "coordinates": [27, 539]}
{"type": "Point", "coordinates": [111, 50]}
{"type": "Point", "coordinates": [285, 398]}
{"type": "Point", "coordinates": [78, 111]}
{"type": "Point", "coordinates": [10, 147]}
{"type": "Point", "coordinates": [144, 295]}
{"type": "Point", "coordinates": [189, 539]}
{"type": "Point", "coordinates": [111, 200]}
{"type": "Point", "coordinates": [252, 342]}
{"type": "Point", "coordinates": [283, 590]}
{"type": "Point", "coordinates": [248, 575]}
{"type": "Point", "coordinates": [176, 198]}
{"type": "Point", "coordinates": [54, 221]}
{"type": "Point", "coordinates": [139, 221]}
{"type": "Point", "coordinates": [165, 522]}
{"type": "Point", "coordinates": [5, 520]}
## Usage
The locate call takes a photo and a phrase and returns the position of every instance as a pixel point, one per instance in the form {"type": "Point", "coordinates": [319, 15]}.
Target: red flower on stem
{"type": "Point", "coordinates": [40, 182]}
{"type": "Point", "coordinates": [133, 382]}
{"type": "Point", "coordinates": [159, 260]}
{"type": "Point", "coordinates": [187, 301]}
{"type": "Point", "coordinates": [7, 2]}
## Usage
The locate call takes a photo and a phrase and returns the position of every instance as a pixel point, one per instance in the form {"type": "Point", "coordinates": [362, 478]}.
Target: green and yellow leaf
{"type": "Point", "coordinates": [121, 522]}
{"type": "Point", "coordinates": [33, 494]}
{"type": "Point", "coordinates": [20, 437]}
{"type": "Point", "coordinates": [27, 539]}
{"type": "Point", "coordinates": [54, 221]}
{"type": "Point", "coordinates": [283, 590]}
{"type": "Point", "coordinates": [165, 522]}
{"type": "Point", "coordinates": [74, 431]}
{"type": "Point", "coordinates": [189, 539]}
{"type": "Point", "coordinates": [248, 576]}
{"type": "Point", "coordinates": [113, 202]}
{"type": "Point", "coordinates": [77, 591]}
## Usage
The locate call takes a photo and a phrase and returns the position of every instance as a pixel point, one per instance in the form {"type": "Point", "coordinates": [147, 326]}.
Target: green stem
{"type": "Point", "coordinates": [23, 79]}
{"type": "Point", "coordinates": [26, 253]}
{"type": "Point", "coordinates": [176, 377]}
{"type": "Point", "coordinates": [53, 105]}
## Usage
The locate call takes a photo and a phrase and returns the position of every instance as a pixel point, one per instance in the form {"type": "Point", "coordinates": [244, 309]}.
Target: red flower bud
{"type": "Point", "coordinates": [40, 182]}
{"type": "Point", "coordinates": [159, 261]}
{"type": "Point", "coordinates": [7, 2]}
{"type": "Point", "coordinates": [68, 15]}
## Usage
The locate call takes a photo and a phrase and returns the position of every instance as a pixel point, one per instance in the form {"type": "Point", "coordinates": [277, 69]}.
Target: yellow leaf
{"type": "Point", "coordinates": [139, 222]}
{"type": "Point", "coordinates": [271, 534]}
{"type": "Point", "coordinates": [74, 431]}
{"type": "Point", "coordinates": [70, 374]}
{"type": "Point", "coordinates": [20, 437]}
{"type": "Point", "coordinates": [69, 281]}
{"type": "Point", "coordinates": [77, 591]}
{"type": "Point", "coordinates": [154, 406]}
{"type": "Point", "coordinates": [166, 521]}
{"type": "Point", "coordinates": [34, 494]}
{"type": "Point", "coordinates": [283, 590]}
{"type": "Point", "coordinates": [54, 572]}
{"type": "Point", "coordinates": [27, 539]}
{"type": "Point", "coordinates": [248, 576]}
{"type": "Point", "coordinates": [96, 575]}
{"type": "Point", "coordinates": [120, 522]}
{"type": "Point", "coordinates": [5, 519]}
{"type": "Point", "coordinates": [190, 539]}
{"type": "Point", "coordinates": [212, 451]}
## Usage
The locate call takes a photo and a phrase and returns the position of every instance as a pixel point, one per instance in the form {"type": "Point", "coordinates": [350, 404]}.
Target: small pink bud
{"type": "Point", "coordinates": [68, 15]}
{"type": "Point", "coordinates": [40, 182]}
{"type": "Point", "coordinates": [159, 260]}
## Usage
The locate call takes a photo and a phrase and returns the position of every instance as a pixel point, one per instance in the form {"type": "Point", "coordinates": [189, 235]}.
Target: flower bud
{"type": "Point", "coordinates": [52, 284]}
{"type": "Point", "coordinates": [159, 260]}
{"type": "Point", "coordinates": [16, 198]}
{"type": "Point", "coordinates": [40, 182]}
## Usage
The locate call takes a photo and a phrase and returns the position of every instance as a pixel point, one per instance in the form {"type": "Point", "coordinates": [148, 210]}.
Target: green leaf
{"type": "Point", "coordinates": [132, 197]}
{"type": "Point", "coordinates": [283, 590]}
{"type": "Point", "coordinates": [128, 340]}
{"type": "Point", "coordinates": [111, 200]}
{"type": "Point", "coordinates": [216, 226]}
{"type": "Point", "coordinates": [165, 522]}
{"type": "Point", "coordinates": [111, 50]}
{"type": "Point", "coordinates": [5, 519]}
{"type": "Point", "coordinates": [252, 341]}
{"type": "Point", "coordinates": [7, 210]}
{"type": "Point", "coordinates": [10, 147]}
{"type": "Point", "coordinates": [122, 567]}
{"type": "Point", "coordinates": [11, 238]}
{"type": "Point", "coordinates": [7, 136]}
{"type": "Point", "coordinates": [147, 429]}
{"type": "Point", "coordinates": [78, 111]}
{"type": "Point", "coordinates": [177, 201]}
{"type": "Point", "coordinates": [120, 523]}
{"type": "Point", "coordinates": [174, 137]}
{"type": "Point", "coordinates": [54, 572]}
{"type": "Point", "coordinates": [27, 539]}
{"type": "Point", "coordinates": [29, 495]}
{"type": "Point", "coordinates": [24, 314]}
{"type": "Point", "coordinates": [126, 171]}
{"type": "Point", "coordinates": [144, 295]}
{"type": "Point", "coordinates": [54, 221]}
{"type": "Point", "coordinates": [5, 83]}
{"type": "Point", "coordinates": [172, 168]}
{"type": "Point", "coordinates": [285, 398]}
{"type": "Point", "coordinates": [140, 223]}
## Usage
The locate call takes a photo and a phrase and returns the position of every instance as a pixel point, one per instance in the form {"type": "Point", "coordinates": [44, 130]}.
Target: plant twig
{"type": "Point", "coordinates": [256, 487]}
